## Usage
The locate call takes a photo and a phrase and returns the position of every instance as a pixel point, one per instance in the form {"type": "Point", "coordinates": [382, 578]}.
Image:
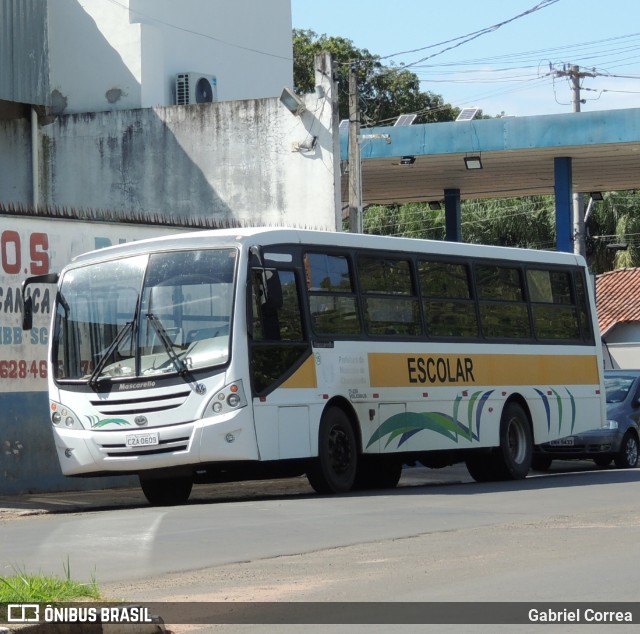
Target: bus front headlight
{"type": "Point", "coordinates": [62, 416]}
{"type": "Point", "coordinates": [229, 398]}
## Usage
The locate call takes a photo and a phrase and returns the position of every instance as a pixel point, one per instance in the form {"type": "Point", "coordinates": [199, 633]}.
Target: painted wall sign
{"type": "Point", "coordinates": [36, 246]}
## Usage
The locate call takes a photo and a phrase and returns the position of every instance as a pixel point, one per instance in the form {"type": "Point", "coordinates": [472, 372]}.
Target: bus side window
{"type": "Point", "coordinates": [276, 312]}
{"type": "Point", "coordinates": [389, 298]}
{"type": "Point", "coordinates": [277, 337]}
{"type": "Point", "coordinates": [449, 305]}
{"type": "Point", "coordinates": [332, 300]}
{"type": "Point", "coordinates": [503, 309]}
{"type": "Point", "coordinates": [554, 311]}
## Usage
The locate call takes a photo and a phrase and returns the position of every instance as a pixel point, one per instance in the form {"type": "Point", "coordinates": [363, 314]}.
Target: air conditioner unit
{"type": "Point", "coordinates": [195, 88]}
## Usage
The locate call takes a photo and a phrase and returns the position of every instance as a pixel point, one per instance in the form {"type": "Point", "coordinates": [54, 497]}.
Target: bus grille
{"type": "Point", "coordinates": [144, 405]}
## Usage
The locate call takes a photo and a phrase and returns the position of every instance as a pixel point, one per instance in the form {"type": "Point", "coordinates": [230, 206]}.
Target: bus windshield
{"type": "Point", "coordinates": [145, 315]}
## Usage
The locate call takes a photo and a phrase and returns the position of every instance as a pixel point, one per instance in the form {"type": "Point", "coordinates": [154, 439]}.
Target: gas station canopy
{"type": "Point", "coordinates": [410, 163]}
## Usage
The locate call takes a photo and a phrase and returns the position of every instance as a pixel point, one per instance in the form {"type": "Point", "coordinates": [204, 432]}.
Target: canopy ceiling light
{"type": "Point", "coordinates": [407, 160]}
{"type": "Point", "coordinates": [472, 162]}
{"type": "Point", "coordinates": [292, 102]}
{"type": "Point", "coordinates": [596, 196]}
{"type": "Point", "coordinates": [434, 205]}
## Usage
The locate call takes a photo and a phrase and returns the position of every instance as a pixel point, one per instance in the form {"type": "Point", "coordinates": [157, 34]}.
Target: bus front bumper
{"type": "Point", "coordinates": [217, 439]}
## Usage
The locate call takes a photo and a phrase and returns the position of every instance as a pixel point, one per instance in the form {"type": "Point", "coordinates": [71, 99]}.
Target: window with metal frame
{"type": "Point", "coordinates": [391, 306]}
{"type": "Point", "coordinates": [447, 300]}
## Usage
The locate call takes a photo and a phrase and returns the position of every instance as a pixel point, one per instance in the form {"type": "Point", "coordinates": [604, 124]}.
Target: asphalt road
{"type": "Point", "coordinates": [570, 535]}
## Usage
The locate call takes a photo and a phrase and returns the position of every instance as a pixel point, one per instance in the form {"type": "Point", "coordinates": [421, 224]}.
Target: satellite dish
{"type": "Point", "coordinates": [204, 91]}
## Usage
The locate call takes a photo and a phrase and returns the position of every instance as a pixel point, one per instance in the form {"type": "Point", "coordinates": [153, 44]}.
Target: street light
{"type": "Point", "coordinates": [472, 162]}
{"type": "Point", "coordinates": [292, 102]}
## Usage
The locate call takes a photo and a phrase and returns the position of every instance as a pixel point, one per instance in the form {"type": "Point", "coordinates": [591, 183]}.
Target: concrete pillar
{"type": "Point", "coordinates": [452, 214]}
{"type": "Point", "coordinates": [563, 187]}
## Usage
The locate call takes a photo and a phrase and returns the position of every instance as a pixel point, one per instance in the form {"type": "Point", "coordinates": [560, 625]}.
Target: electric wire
{"type": "Point", "coordinates": [199, 33]}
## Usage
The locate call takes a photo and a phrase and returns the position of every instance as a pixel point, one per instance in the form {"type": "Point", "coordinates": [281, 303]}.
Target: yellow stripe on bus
{"type": "Point", "coordinates": [304, 376]}
{"type": "Point", "coordinates": [414, 370]}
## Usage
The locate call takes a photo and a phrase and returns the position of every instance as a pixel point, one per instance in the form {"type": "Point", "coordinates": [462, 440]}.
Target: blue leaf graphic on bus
{"type": "Point", "coordinates": [483, 400]}
{"type": "Point", "coordinates": [559, 402]}
{"type": "Point", "coordinates": [408, 424]}
{"type": "Point", "coordinates": [96, 421]}
{"type": "Point", "coordinates": [573, 408]}
{"type": "Point", "coordinates": [470, 405]}
{"type": "Point", "coordinates": [547, 409]}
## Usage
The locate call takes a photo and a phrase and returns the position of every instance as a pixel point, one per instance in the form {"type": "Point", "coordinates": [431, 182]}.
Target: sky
{"type": "Point", "coordinates": [514, 69]}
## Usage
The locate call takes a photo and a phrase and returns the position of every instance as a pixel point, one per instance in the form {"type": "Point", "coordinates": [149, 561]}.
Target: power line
{"type": "Point", "coordinates": [463, 39]}
{"type": "Point", "coordinates": [198, 33]}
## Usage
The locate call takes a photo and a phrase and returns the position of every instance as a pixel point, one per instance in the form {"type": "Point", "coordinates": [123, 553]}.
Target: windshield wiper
{"type": "Point", "coordinates": [178, 363]}
{"type": "Point", "coordinates": [93, 379]}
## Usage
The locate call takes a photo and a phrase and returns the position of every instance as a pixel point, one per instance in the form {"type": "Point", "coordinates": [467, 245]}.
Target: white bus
{"type": "Point", "coordinates": [248, 353]}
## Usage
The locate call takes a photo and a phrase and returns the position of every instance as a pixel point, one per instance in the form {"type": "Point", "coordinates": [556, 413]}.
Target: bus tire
{"type": "Point", "coordinates": [513, 459]}
{"type": "Point", "coordinates": [166, 491]}
{"type": "Point", "coordinates": [334, 470]}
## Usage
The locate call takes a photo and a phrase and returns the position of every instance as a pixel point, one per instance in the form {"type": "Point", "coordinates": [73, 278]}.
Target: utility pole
{"type": "Point", "coordinates": [355, 165]}
{"type": "Point", "coordinates": [579, 235]}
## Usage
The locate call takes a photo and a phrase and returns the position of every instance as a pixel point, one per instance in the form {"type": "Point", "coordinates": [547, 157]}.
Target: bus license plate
{"type": "Point", "coordinates": [562, 442]}
{"type": "Point", "coordinates": [142, 440]}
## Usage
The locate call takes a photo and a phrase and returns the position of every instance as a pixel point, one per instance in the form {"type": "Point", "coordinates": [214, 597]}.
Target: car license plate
{"type": "Point", "coordinates": [562, 442]}
{"type": "Point", "coordinates": [142, 440]}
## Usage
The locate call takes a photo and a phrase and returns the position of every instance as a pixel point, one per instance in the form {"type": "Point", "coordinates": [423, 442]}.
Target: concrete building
{"type": "Point", "coordinates": [162, 108]}
{"type": "Point", "coordinates": [90, 134]}
{"type": "Point", "coordinates": [92, 55]}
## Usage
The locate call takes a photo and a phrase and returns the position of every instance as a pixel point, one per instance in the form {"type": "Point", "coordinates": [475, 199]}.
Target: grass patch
{"type": "Point", "coordinates": [26, 588]}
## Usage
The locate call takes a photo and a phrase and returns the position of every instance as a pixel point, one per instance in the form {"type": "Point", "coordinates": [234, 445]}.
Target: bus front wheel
{"type": "Point", "coordinates": [166, 491]}
{"type": "Point", "coordinates": [334, 470]}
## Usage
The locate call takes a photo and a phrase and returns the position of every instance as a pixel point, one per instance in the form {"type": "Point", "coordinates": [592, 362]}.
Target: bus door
{"type": "Point", "coordinates": [278, 348]}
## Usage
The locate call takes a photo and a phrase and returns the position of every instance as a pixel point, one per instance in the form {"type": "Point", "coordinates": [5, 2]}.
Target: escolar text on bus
{"type": "Point", "coordinates": [440, 370]}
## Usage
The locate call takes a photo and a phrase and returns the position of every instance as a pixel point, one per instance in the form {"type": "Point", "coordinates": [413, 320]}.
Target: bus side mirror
{"type": "Point", "coordinates": [27, 302]}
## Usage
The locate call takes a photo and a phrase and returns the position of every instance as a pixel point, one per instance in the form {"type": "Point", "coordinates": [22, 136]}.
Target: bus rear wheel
{"type": "Point", "coordinates": [516, 443]}
{"type": "Point", "coordinates": [166, 491]}
{"type": "Point", "coordinates": [334, 470]}
{"type": "Point", "coordinates": [512, 459]}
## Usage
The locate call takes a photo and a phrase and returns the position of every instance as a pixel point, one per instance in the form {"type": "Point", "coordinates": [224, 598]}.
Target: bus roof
{"type": "Point", "coordinates": [266, 236]}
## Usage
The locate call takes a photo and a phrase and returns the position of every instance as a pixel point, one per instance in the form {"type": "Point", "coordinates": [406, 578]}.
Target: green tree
{"type": "Point", "coordinates": [527, 222]}
{"type": "Point", "coordinates": [613, 223]}
{"type": "Point", "coordinates": [517, 222]}
{"type": "Point", "coordinates": [385, 91]}
{"type": "Point", "coordinates": [613, 226]}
